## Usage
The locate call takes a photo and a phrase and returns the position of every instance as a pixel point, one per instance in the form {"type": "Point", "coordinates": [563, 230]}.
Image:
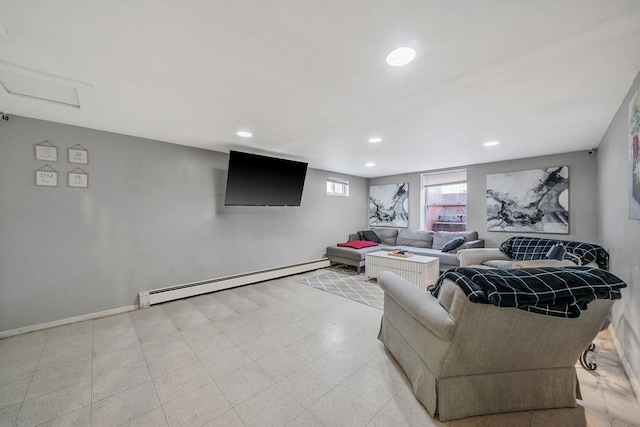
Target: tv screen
{"type": "Point", "coordinates": [254, 180]}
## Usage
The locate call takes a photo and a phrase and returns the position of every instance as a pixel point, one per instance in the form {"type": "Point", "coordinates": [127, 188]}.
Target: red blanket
{"type": "Point", "coordinates": [358, 244]}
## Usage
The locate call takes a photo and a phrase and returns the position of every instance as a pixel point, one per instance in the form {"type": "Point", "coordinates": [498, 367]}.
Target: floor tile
{"type": "Point", "coordinates": [282, 363]}
{"type": "Point", "coordinates": [338, 364]}
{"type": "Point", "coordinates": [46, 381]}
{"type": "Point", "coordinates": [117, 359]}
{"type": "Point", "coordinates": [24, 340]}
{"type": "Point", "coordinates": [119, 380]}
{"type": "Point", "coordinates": [13, 393]}
{"type": "Point", "coordinates": [341, 407]}
{"type": "Point", "coordinates": [9, 414]}
{"type": "Point", "coordinates": [55, 404]}
{"type": "Point", "coordinates": [20, 354]}
{"type": "Point", "coordinates": [225, 362]}
{"type": "Point", "coordinates": [154, 418]}
{"type": "Point", "coordinates": [78, 418]}
{"type": "Point", "coordinates": [305, 419]}
{"type": "Point", "coordinates": [271, 407]}
{"type": "Point", "coordinates": [197, 408]}
{"type": "Point", "coordinates": [181, 381]}
{"type": "Point", "coordinates": [167, 362]}
{"type": "Point", "coordinates": [244, 383]}
{"type": "Point", "coordinates": [261, 346]}
{"type": "Point", "coordinates": [71, 329]}
{"type": "Point", "coordinates": [373, 386]}
{"type": "Point", "coordinates": [18, 370]}
{"type": "Point", "coordinates": [125, 406]}
{"type": "Point", "coordinates": [307, 385]}
{"type": "Point", "coordinates": [228, 419]}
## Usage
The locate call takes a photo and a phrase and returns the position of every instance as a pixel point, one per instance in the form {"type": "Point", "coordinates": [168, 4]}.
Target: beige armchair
{"type": "Point", "coordinates": [466, 359]}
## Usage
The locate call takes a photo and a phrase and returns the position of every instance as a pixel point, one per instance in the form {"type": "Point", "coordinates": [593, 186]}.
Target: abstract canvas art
{"type": "Point", "coordinates": [530, 201]}
{"type": "Point", "coordinates": [388, 205]}
{"type": "Point", "coordinates": [634, 157]}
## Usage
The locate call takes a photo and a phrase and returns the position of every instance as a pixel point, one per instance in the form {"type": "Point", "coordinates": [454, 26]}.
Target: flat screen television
{"type": "Point", "coordinates": [254, 180]}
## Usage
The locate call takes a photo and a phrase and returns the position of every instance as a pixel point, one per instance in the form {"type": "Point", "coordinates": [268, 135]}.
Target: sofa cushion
{"type": "Point", "coordinates": [415, 238]}
{"type": "Point", "coordinates": [442, 237]}
{"type": "Point", "coordinates": [453, 244]}
{"type": "Point", "coordinates": [498, 263]}
{"type": "Point", "coordinates": [387, 235]}
{"type": "Point", "coordinates": [369, 235]}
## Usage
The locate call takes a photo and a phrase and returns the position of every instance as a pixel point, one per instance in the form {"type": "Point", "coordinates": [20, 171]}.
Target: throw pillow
{"type": "Point", "coordinates": [453, 244]}
{"type": "Point", "coordinates": [370, 235]}
{"type": "Point", "coordinates": [387, 235]}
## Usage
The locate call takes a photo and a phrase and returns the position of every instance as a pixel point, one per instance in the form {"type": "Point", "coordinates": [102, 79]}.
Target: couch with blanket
{"type": "Point", "coordinates": [441, 244]}
{"type": "Point", "coordinates": [471, 346]}
{"type": "Point", "coordinates": [530, 252]}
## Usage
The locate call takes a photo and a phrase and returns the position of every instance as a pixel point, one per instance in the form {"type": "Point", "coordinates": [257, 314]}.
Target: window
{"type": "Point", "coordinates": [337, 187]}
{"type": "Point", "coordinates": [445, 201]}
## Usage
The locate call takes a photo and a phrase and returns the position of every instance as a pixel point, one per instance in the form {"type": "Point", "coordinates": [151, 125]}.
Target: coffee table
{"type": "Point", "coordinates": [422, 271]}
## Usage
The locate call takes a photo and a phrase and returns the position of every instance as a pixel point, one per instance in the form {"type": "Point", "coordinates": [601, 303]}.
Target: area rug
{"type": "Point", "coordinates": [352, 286]}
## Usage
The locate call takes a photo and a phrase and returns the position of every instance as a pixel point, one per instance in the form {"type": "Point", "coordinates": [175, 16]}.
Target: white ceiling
{"type": "Point", "coordinates": [309, 78]}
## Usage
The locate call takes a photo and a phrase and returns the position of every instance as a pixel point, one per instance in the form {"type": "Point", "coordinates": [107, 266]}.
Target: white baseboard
{"type": "Point", "coordinates": [635, 385]}
{"type": "Point", "coordinates": [47, 325]}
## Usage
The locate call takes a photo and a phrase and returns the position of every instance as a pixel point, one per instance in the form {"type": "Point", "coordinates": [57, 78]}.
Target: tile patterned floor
{"type": "Point", "coordinates": [276, 353]}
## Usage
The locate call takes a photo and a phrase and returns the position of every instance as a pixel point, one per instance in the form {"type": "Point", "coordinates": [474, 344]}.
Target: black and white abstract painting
{"type": "Point", "coordinates": [388, 205]}
{"type": "Point", "coordinates": [531, 201]}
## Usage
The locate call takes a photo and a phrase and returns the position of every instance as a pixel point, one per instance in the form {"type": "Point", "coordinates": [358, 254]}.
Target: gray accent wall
{"type": "Point", "coordinates": [619, 234]}
{"type": "Point", "coordinates": [583, 200]}
{"type": "Point", "coordinates": [153, 216]}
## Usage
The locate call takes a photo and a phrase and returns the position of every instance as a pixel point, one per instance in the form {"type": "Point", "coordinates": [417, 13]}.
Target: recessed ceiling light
{"type": "Point", "coordinates": [401, 56]}
{"type": "Point", "coordinates": [375, 139]}
{"type": "Point", "coordinates": [491, 143]}
{"type": "Point", "coordinates": [370, 164]}
{"type": "Point", "coordinates": [244, 134]}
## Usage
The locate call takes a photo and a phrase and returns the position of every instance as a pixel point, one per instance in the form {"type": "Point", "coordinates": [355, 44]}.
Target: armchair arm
{"type": "Point", "coordinates": [478, 256]}
{"type": "Point", "coordinates": [420, 304]}
{"type": "Point", "coordinates": [473, 244]}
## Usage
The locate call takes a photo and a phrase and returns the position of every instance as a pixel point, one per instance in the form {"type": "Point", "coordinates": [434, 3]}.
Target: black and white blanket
{"type": "Point", "coordinates": [561, 292]}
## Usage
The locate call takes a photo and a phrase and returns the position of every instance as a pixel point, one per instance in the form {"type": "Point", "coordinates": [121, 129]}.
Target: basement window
{"type": "Point", "coordinates": [337, 187]}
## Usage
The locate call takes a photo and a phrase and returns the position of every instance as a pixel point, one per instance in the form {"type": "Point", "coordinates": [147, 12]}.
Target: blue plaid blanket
{"type": "Point", "coordinates": [561, 292]}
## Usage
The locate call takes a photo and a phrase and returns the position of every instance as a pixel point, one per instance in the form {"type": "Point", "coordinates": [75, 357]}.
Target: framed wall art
{"type": "Point", "coordinates": [388, 205]}
{"type": "Point", "coordinates": [531, 201]}
{"type": "Point", "coordinates": [78, 154]}
{"type": "Point", "coordinates": [46, 151]}
{"type": "Point", "coordinates": [78, 178]}
{"type": "Point", "coordinates": [46, 176]}
{"type": "Point", "coordinates": [634, 157]}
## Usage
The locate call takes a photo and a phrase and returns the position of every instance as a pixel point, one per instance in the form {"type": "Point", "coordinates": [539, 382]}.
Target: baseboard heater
{"type": "Point", "coordinates": [156, 296]}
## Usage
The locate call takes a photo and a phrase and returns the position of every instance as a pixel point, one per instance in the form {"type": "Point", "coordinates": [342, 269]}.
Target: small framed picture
{"type": "Point", "coordinates": [78, 179]}
{"type": "Point", "coordinates": [78, 154]}
{"type": "Point", "coordinates": [46, 151]}
{"type": "Point", "coordinates": [46, 178]}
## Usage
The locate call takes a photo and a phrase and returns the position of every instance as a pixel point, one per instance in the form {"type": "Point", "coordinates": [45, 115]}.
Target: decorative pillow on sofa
{"type": "Point", "coordinates": [453, 244]}
{"type": "Point", "coordinates": [387, 235]}
{"type": "Point", "coordinates": [415, 238]}
{"type": "Point", "coordinates": [369, 235]}
{"type": "Point", "coordinates": [442, 237]}
{"type": "Point", "coordinates": [358, 244]}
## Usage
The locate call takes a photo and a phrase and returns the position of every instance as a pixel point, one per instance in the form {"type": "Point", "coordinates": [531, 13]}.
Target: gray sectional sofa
{"type": "Point", "coordinates": [418, 242]}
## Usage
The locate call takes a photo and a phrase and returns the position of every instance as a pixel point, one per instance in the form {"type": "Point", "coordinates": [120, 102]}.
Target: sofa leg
{"type": "Point", "coordinates": [358, 269]}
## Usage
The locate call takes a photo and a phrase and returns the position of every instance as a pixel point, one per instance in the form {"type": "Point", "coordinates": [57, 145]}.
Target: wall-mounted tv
{"type": "Point", "coordinates": [254, 180]}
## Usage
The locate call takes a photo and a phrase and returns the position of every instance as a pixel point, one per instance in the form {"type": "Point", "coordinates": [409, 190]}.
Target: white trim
{"type": "Point", "coordinates": [635, 385]}
{"type": "Point", "coordinates": [61, 322]}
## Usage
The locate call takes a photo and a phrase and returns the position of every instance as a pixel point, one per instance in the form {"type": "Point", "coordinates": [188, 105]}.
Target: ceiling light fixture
{"type": "Point", "coordinates": [244, 134]}
{"type": "Point", "coordinates": [491, 143]}
{"type": "Point", "coordinates": [370, 164]}
{"type": "Point", "coordinates": [375, 139]}
{"type": "Point", "coordinates": [401, 56]}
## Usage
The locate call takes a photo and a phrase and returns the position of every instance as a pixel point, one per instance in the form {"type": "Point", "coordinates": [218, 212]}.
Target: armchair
{"type": "Point", "coordinates": [465, 359]}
